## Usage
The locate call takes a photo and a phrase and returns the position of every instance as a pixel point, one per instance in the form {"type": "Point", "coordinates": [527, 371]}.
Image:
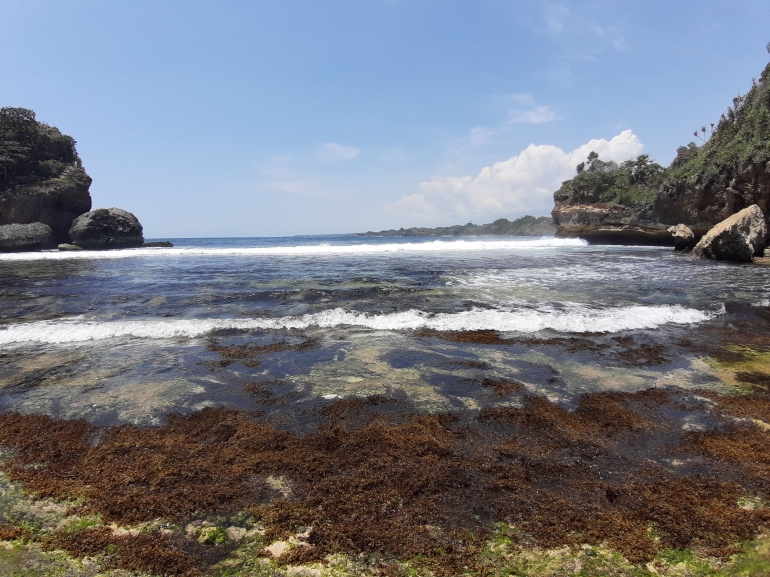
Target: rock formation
{"type": "Point", "coordinates": [18, 237]}
{"type": "Point", "coordinates": [636, 202]}
{"type": "Point", "coordinates": [738, 238]}
{"type": "Point", "coordinates": [106, 228]}
{"type": "Point", "coordinates": [684, 238]}
{"type": "Point", "coordinates": [41, 177]}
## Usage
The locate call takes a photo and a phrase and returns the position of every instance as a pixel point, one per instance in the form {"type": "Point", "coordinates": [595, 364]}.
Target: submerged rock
{"type": "Point", "coordinates": [105, 228]}
{"type": "Point", "coordinates": [32, 236]}
{"type": "Point", "coordinates": [737, 238]}
{"type": "Point", "coordinates": [684, 238]}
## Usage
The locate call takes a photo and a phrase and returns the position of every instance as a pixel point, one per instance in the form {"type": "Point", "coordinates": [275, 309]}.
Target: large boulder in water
{"type": "Point", "coordinates": [737, 238]}
{"type": "Point", "coordinates": [14, 237]}
{"type": "Point", "coordinates": [41, 177]}
{"type": "Point", "coordinates": [107, 228]}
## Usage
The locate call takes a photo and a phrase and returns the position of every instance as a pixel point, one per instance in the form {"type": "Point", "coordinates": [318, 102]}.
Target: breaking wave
{"type": "Point", "coordinates": [305, 250]}
{"type": "Point", "coordinates": [576, 319]}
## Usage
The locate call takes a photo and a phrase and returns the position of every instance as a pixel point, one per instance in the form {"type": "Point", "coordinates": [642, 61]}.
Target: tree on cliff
{"type": "Point", "coordinates": [31, 151]}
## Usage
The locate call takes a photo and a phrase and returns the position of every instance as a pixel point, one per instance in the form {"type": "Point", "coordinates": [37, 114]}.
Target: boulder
{"type": "Point", "coordinates": [32, 236]}
{"type": "Point", "coordinates": [737, 238]}
{"type": "Point", "coordinates": [106, 228]}
{"type": "Point", "coordinates": [67, 247]}
{"type": "Point", "coordinates": [684, 238]}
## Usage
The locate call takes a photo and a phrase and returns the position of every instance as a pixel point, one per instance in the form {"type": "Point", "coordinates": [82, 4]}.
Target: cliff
{"type": "Point", "coordinates": [524, 226]}
{"type": "Point", "coordinates": [41, 176]}
{"type": "Point", "coordinates": [610, 203]}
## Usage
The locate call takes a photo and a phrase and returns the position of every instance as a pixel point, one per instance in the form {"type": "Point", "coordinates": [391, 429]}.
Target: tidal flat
{"type": "Point", "coordinates": [400, 416]}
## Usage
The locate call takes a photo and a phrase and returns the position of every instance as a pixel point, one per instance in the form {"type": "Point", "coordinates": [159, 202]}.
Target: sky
{"type": "Point", "coordinates": [249, 118]}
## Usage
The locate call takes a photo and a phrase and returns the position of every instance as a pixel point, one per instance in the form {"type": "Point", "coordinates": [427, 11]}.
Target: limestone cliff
{"type": "Point", "coordinates": [704, 184]}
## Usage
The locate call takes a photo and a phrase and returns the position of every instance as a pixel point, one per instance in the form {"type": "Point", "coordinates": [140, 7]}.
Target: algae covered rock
{"type": "Point", "coordinates": [106, 228]}
{"type": "Point", "coordinates": [737, 238]}
{"type": "Point", "coordinates": [684, 238]}
{"type": "Point", "coordinates": [19, 237]}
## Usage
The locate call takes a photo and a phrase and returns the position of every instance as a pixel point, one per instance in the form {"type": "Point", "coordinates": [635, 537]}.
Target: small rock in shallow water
{"type": "Point", "coordinates": [684, 239]}
{"type": "Point", "coordinates": [65, 246]}
{"type": "Point", "coordinates": [158, 244]}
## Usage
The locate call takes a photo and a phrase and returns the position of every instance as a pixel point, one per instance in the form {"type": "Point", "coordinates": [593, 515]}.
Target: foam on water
{"type": "Point", "coordinates": [306, 250]}
{"type": "Point", "coordinates": [575, 319]}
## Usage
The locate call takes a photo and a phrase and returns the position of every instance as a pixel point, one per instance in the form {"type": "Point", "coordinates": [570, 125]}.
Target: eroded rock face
{"type": "Point", "coordinates": [684, 238]}
{"type": "Point", "coordinates": [106, 228]}
{"type": "Point", "coordinates": [605, 223]}
{"type": "Point", "coordinates": [737, 238]}
{"type": "Point", "coordinates": [17, 237]}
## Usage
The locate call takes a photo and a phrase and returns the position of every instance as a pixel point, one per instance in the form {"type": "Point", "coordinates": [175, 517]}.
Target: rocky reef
{"type": "Point", "coordinates": [524, 226]}
{"type": "Point", "coordinates": [43, 185]}
{"type": "Point", "coordinates": [637, 201]}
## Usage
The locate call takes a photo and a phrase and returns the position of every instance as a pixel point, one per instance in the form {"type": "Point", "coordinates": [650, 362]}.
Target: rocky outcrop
{"type": "Point", "coordinates": [684, 238]}
{"type": "Point", "coordinates": [106, 228]}
{"type": "Point", "coordinates": [41, 176]}
{"type": "Point", "coordinates": [55, 202]}
{"type": "Point", "coordinates": [158, 244]}
{"type": "Point", "coordinates": [608, 223]}
{"type": "Point", "coordinates": [18, 237]}
{"type": "Point", "coordinates": [737, 238]}
{"type": "Point", "coordinates": [703, 186]}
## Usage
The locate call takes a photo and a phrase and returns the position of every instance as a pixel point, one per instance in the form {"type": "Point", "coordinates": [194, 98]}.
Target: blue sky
{"type": "Point", "coordinates": [245, 118]}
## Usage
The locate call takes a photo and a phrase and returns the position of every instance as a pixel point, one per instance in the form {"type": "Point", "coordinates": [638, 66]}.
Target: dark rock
{"type": "Point", "coordinates": [737, 238]}
{"type": "Point", "coordinates": [19, 237]}
{"type": "Point", "coordinates": [158, 244]}
{"type": "Point", "coordinates": [66, 247]}
{"type": "Point", "coordinates": [684, 239]}
{"type": "Point", "coordinates": [43, 179]}
{"type": "Point", "coordinates": [106, 228]}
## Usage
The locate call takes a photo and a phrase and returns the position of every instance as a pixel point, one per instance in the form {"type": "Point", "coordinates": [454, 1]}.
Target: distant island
{"type": "Point", "coordinates": [524, 226]}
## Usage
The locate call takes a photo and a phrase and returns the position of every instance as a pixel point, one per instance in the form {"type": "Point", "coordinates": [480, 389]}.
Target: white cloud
{"type": "Point", "coordinates": [522, 184]}
{"type": "Point", "coordinates": [331, 152]}
{"type": "Point", "coordinates": [537, 115]}
{"type": "Point", "coordinates": [414, 207]}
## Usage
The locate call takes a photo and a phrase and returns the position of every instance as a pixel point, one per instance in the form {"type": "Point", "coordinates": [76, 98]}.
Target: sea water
{"type": "Point", "coordinates": [132, 335]}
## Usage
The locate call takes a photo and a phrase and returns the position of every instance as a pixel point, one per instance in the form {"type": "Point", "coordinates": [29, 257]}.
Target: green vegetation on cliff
{"type": "Point", "coordinates": [738, 141]}
{"type": "Point", "coordinates": [632, 182]}
{"type": "Point", "coordinates": [741, 137]}
{"type": "Point", "coordinates": [31, 151]}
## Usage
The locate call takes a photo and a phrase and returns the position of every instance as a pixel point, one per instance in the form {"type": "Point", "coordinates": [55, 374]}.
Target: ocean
{"type": "Point", "coordinates": [282, 326]}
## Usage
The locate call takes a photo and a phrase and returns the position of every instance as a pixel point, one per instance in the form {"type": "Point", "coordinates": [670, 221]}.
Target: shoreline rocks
{"type": "Point", "coordinates": [684, 238]}
{"type": "Point", "coordinates": [21, 237]}
{"type": "Point", "coordinates": [158, 244]}
{"type": "Point", "coordinates": [737, 238]}
{"type": "Point", "coordinates": [106, 228]}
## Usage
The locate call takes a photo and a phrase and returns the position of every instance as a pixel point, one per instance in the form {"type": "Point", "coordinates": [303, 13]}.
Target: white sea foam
{"type": "Point", "coordinates": [575, 319]}
{"type": "Point", "coordinates": [306, 250]}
